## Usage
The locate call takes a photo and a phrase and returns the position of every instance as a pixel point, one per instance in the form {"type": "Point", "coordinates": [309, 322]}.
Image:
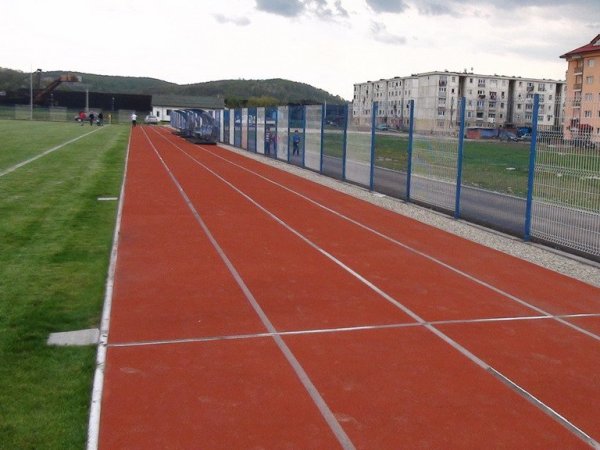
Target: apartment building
{"type": "Point", "coordinates": [582, 105]}
{"type": "Point", "coordinates": [491, 100]}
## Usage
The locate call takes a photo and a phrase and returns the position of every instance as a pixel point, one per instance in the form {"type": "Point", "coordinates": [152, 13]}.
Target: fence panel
{"type": "Point", "coordinates": [226, 126]}
{"type": "Point", "coordinates": [281, 137]}
{"type": "Point", "coordinates": [358, 153]}
{"type": "Point", "coordinates": [391, 155]}
{"type": "Point", "coordinates": [334, 140]}
{"type": "Point", "coordinates": [252, 130]}
{"type": "Point", "coordinates": [296, 136]}
{"type": "Point", "coordinates": [232, 127]}
{"type": "Point", "coordinates": [260, 130]}
{"type": "Point", "coordinates": [312, 137]}
{"type": "Point", "coordinates": [435, 160]}
{"type": "Point", "coordinates": [221, 125]}
{"type": "Point", "coordinates": [271, 132]}
{"type": "Point", "coordinates": [566, 188]}
{"type": "Point", "coordinates": [237, 129]}
{"type": "Point", "coordinates": [244, 143]}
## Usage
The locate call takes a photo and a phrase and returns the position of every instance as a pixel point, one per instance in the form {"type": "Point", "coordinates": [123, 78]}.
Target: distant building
{"type": "Point", "coordinates": [491, 100]}
{"type": "Point", "coordinates": [582, 111]}
{"type": "Point", "coordinates": [162, 105]}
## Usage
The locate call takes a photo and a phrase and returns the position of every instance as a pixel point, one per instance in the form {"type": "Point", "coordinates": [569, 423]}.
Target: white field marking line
{"type": "Point", "coordinates": [413, 250]}
{"type": "Point", "coordinates": [316, 397]}
{"type": "Point", "coordinates": [98, 386]}
{"type": "Point", "coordinates": [44, 153]}
{"type": "Point", "coordinates": [471, 356]}
{"type": "Point", "coordinates": [336, 330]}
{"type": "Point", "coordinates": [107, 199]}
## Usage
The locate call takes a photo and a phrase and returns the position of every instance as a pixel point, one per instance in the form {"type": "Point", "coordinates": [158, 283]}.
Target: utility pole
{"type": "Point", "coordinates": [31, 93]}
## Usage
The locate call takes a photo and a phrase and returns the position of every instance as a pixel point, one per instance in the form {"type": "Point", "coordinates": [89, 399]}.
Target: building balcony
{"type": "Point", "coordinates": [578, 70]}
{"type": "Point", "coordinates": [576, 103]}
{"type": "Point", "coordinates": [529, 88]}
{"type": "Point", "coordinates": [443, 83]}
{"type": "Point", "coordinates": [577, 86]}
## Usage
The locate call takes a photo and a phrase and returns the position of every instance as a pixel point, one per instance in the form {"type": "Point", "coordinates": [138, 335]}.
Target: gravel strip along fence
{"type": "Point", "coordinates": [570, 265]}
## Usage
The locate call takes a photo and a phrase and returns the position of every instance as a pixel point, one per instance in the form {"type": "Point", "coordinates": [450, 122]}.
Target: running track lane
{"type": "Point", "coordinates": [553, 343]}
{"type": "Point", "coordinates": [388, 387]}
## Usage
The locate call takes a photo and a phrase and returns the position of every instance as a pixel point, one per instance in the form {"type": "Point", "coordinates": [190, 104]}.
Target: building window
{"type": "Point", "coordinates": [502, 105]}
{"type": "Point", "coordinates": [480, 115]}
{"type": "Point", "coordinates": [588, 97]}
{"type": "Point", "coordinates": [589, 80]}
{"type": "Point", "coordinates": [168, 112]}
{"type": "Point", "coordinates": [587, 114]}
{"type": "Point", "coordinates": [591, 62]}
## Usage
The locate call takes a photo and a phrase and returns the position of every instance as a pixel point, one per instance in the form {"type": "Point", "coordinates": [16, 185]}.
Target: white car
{"type": "Point", "coordinates": [151, 119]}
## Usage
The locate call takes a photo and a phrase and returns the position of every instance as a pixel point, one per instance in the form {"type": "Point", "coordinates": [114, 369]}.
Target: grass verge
{"type": "Point", "coordinates": [55, 240]}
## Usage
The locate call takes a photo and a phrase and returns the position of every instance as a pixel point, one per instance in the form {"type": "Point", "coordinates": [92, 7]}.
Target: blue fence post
{"type": "Point", "coordinates": [531, 175]}
{"type": "Point", "coordinates": [411, 128]}
{"type": "Point", "coordinates": [461, 142]}
{"type": "Point", "coordinates": [276, 134]}
{"type": "Point", "coordinates": [303, 134]}
{"type": "Point", "coordinates": [323, 112]}
{"type": "Point", "coordinates": [373, 123]}
{"type": "Point", "coordinates": [289, 153]}
{"type": "Point", "coordinates": [345, 142]}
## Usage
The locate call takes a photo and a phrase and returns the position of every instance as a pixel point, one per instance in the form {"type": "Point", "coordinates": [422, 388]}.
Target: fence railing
{"type": "Point", "coordinates": [540, 183]}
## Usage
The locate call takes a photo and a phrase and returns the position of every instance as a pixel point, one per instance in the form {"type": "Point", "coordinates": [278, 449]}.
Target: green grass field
{"type": "Point", "coordinates": [55, 240]}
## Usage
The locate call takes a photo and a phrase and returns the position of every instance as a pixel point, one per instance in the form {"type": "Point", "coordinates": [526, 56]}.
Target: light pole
{"type": "Point", "coordinates": [31, 93]}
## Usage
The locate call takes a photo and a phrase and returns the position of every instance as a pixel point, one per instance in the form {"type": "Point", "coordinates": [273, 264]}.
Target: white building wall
{"type": "Point", "coordinates": [491, 100]}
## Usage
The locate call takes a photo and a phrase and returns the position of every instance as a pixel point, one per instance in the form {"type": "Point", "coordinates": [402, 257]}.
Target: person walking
{"type": "Point", "coordinates": [91, 118]}
{"type": "Point", "coordinates": [133, 119]}
{"type": "Point", "coordinates": [296, 143]}
{"type": "Point", "coordinates": [100, 119]}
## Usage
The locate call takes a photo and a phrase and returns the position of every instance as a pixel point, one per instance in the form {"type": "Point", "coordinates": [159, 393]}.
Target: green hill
{"type": "Point", "coordinates": [236, 92]}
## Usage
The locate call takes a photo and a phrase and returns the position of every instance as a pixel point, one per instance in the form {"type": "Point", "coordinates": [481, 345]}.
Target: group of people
{"type": "Point", "coordinates": [91, 117]}
{"type": "Point", "coordinates": [271, 142]}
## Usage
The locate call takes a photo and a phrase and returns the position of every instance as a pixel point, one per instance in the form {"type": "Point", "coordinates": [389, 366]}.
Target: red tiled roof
{"type": "Point", "coordinates": [593, 46]}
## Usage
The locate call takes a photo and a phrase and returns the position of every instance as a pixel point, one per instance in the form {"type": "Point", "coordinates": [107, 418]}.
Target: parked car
{"type": "Point", "coordinates": [382, 127]}
{"type": "Point", "coordinates": [151, 119]}
{"type": "Point", "coordinates": [508, 136]}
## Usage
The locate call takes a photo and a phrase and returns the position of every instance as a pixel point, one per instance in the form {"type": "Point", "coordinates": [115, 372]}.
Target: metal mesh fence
{"type": "Point", "coordinates": [296, 135]}
{"type": "Point", "coordinates": [226, 126]}
{"type": "Point", "coordinates": [312, 137]}
{"type": "Point", "coordinates": [260, 130]}
{"type": "Point", "coordinates": [237, 128]}
{"type": "Point", "coordinates": [479, 172]}
{"type": "Point", "coordinates": [391, 156]}
{"type": "Point", "coordinates": [252, 129]}
{"type": "Point", "coordinates": [566, 191]}
{"type": "Point", "coordinates": [244, 143]}
{"type": "Point", "coordinates": [232, 127]}
{"type": "Point", "coordinates": [281, 139]}
{"type": "Point", "coordinates": [358, 152]}
{"type": "Point", "coordinates": [435, 168]}
{"type": "Point", "coordinates": [271, 132]}
{"type": "Point", "coordinates": [334, 140]}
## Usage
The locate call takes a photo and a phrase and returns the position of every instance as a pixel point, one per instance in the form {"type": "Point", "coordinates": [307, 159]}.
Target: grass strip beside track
{"type": "Point", "coordinates": [55, 240]}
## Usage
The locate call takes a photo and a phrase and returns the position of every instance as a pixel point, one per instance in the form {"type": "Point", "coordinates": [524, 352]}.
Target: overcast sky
{"type": "Point", "coordinates": [330, 44]}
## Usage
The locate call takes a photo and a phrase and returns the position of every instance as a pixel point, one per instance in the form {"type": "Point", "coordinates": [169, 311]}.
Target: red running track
{"type": "Point", "coordinates": [253, 309]}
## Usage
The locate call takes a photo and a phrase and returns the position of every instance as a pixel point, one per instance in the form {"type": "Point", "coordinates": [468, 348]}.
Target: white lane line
{"type": "Point", "coordinates": [98, 386]}
{"type": "Point", "coordinates": [107, 199]}
{"type": "Point", "coordinates": [413, 250]}
{"type": "Point", "coordinates": [324, 409]}
{"type": "Point", "coordinates": [336, 330]}
{"type": "Point", "coordinates": [457, 346]}
{"type": "Point", "coordinates": [44, 153]}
